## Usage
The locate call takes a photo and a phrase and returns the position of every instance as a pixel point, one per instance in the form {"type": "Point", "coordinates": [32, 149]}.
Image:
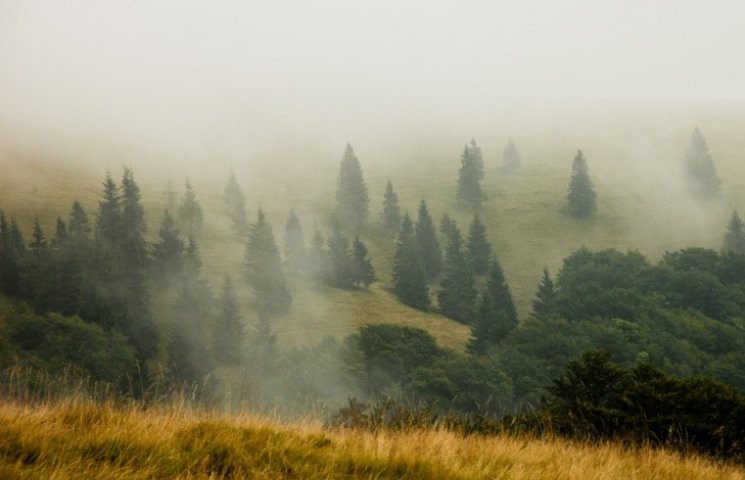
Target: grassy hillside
{"type": "Point", "coordinates": [73, 440]}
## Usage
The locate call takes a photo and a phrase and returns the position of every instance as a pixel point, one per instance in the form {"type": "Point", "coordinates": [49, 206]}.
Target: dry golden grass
{"type": "Point", "coordinates": [78, 440]}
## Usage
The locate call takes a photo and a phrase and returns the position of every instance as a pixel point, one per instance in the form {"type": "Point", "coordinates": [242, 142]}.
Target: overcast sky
{"type": "Point", "coordinates": [145, 63]}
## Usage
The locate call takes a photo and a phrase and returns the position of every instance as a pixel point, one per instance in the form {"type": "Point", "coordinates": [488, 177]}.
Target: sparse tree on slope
{"type": "Point", "coordinates": [478, 248]}
{"type": "Point", "coordinates": [700, 168]}
{"type": "Point", "coordinates": [341, 274]}
{"type": "Point", "coordinates": [511, 158]}
{"type": "Point", "coordinates": [581, 197]}
{"type": "Point", "coordinates": [294, 243]}
{"type": "Point", "coordinates": [427, 243]}
{"type": "Point", "coordinates": [351, 197]}
{"type": "Point", "coordinates": [363, 271]}
{"type": "Point", "coordinates": [544, 302]}
{"type": "Point", "coordinates": [496, 316]}
{"type": "Point", "coordinates": [734, 239]}
{"type": "Point", "coordinates": [228, 335]}
{"type": "Point", "coordinates": [264, 270]}
{"type": "Point", "coordinates": [190, 212]}
{"type": "Point", "coordinates": [470, 193]}
{"type": "Point", "coordinates": [168, 252]}
{"type": "Point", "coordinates": [409, 276]}
{"type": "Point", "coordinates": [12, 252]}
{"type": "Point", "coordinates": [317, 258]}
{"type": "Point", "coordinates": [391, 209]}
{"type": "Point", "coordinates": [109, 222]}
{"type": "Point", "coordinates": [236, 204]}
{"type": "Point", "coordinates": [457, 291]}
{"type": "Point", "coordinates": [133, 225]}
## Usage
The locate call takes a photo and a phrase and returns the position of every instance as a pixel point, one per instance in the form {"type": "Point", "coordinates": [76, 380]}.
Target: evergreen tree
{"type": "Point", "coordinates": [133, 226]}
{"type": "Point", "coordinates": [236, 204]}
{"type": "Point", "coordinates": [478, 249]}
{"type": "Point", "coordinates": [581, 196]}
{"type": "Point", "coordinates": [458, 293]}
{"type": "Point", "coordinates": [544, 302]}
{"type": "Point", "coordinates": [193, 258]}
{"type": "Point", "coordinates": [317, 258]}
{"type": "Point", "coordinates": [38, 243]}
{"type": "Point", "coordinates": [108, 223]}
{"type": "Point", "coordinates": [170, 197]}
{"type": "Point", "coordinates": [294, 243]}
{"type": "Point", "coordinates": [341, 273]}
{"type": "Point", "coordinates": [190, 212]}
{"type": "Point", "coordinates": [496, 316]}
{"type": "Point", "coordinates": [470, 175]}
{"type": "Point", "coordinates": [409, 276]}
{"type": "Point", "coordinates": [351, 197]}
{"type": "Point", "coordinates": [363, 271]}
{"type": "Point", "coordinates": [12, 253]}
{"type": "Point", "coordinates": [228, 336]}
{"type": "Point", "coordinates": [35, 271]}
{"type": "Point", "coordinates": [448, 228]}
{"type": "Point", "coordinates": [80, 228]}
{"type": "Point", "coordinates": [427, 243]}
{"type": "Point", "coordinates": [168, 252]}
{"type": "Point", "coordinates": [700, 168]}
{"type": "Point", "coordinates": [264, 270]}
{"type": "Point", "coordinates": [734, 239]}
{"type": "Point", "coordinates": [60, 233]}
{"type": "Point", "coordinates": [511, 158]}
{"type": "Point", "coordinates": [391, 209]}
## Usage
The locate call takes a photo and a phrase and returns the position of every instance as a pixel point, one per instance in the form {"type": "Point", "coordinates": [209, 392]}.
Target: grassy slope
{"type": "Point", "coordinates": [75, 440]}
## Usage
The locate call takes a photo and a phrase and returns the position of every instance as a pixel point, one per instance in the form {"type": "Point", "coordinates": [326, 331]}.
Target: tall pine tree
{"type": "Point", "coordinates": [511, 158]}
{"type": "Point", "coordinates": [734, 239]}
{"type": "Point", "coordinates": [478, 248]}
{"type": "Point", "coordinates": [448, 227]}
{"type": "Point", "coordinates": [351, 196]}
{"type": "Point", "coordinates": [391, 209]}
{"type": "Point", "coordinates": [699, 166]}
{"type": "Point", "coordinates": [496, 315]}
{"type": "Point", "coordinates": [169, 251]}
{"type": "Point", "coordinates": [264, 270]}
{"type": "Point", "coordinates": [470, 193]}
{"type": "Point", "coordinates": [341, 272]}
{"type": "Point", "coordinates": [294, 243]}
{"type": "Point", "coordinates": [190, 212]}
{"type": "Point", "coordinates": [229, 336]}
{"type": "Point", "coordinates": [427, 243]}
{"type": "Point", "coordinates": [133, 226]}
{"type": "Point", "coordinates": [363, 272]}
{"type": "Point", "coordinates": [457, 288]}
{"type": "Point", "coordinates": [581, 199]}
{"type": "Point", "coordinates": [236, 205]}
{"type": "Point", "coordinates": [409, 275]}
{"type": "Point", "coordinates": [544, 302]}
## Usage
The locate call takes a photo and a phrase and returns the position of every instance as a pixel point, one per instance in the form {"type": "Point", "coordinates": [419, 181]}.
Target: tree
{"type": "Point", "coordinates": [478, 249]}
{"type": "Point", "coordinates": [409, 276]}
{"type": "Point", "coordinates": [581, 196]}
{"type": "Point", "coordinates": [699, 167]}
{"type": "Point", "coordinates": [351, 197]}
{"type": "Point", "coordinates": [264, 270]}
{"type": "Point", "coordinates": [470, 175]}
{"type": "Point", "coordinates": [496, 316]}
{"type": "Point", "coordinates": [190, 211]}
{"type": "Point", "coordinates": [391, 209]}
{"type": "Point", "coordinates": [363, 272]}
{"type": "Point", "coordinates": [544, 302]}
{"type": "Point", "coordinates": [457, 291]}
{"type": "Point", "coordinates": [108, 223]}
{"type": "Point", "coordinates": [511, 158]}
{"type": "Point", "coordinates": [236, 204]}
{"type": "Point", "coordinates": [734, 239]}
{"type": "Point", "coordinates": [61, 234]}
{"type": "Point", "coordinates": [169, 251]}
{"type": "Point", "coordinates": [341, 272]}
{"type": "Point", "coordinates": [133, 226]}
{"type": "Point", "coordinates": [229, 336]}
{"type": "Point", "coordinates": [12, 252]}
{"type": "Point", "coordinates": [427, 243]}
{"type": "Point", "coordinates": [317, 257]}
{"type": "Point", "coordinates": [294, 243]}
{"type": "Point", "coordinates": [38, 240]}
{"type": "Point", "coordinates": [448, 227]}
{"type": "Point", "coordinates": [79, 228]}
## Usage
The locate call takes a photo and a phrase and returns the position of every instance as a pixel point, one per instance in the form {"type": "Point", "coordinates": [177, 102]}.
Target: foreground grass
{"type": "Point", "coordinates": [73, 440]}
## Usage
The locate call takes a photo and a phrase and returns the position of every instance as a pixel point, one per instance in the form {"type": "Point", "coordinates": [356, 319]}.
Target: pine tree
{"type": "Point", "coordinates": [80, 228]}
{"type": "Point", "coordinates": [341, 273]}
{"type": "Point", "coordinates": [133, 226]}
{"type": "Point", "coordinates": [478, 249]}
{"type": "Point", "coordinates": [448, 227]}
{"type": "Point", "coordinates": [190, 212]}
{"type": "Point", "coordinates": [457, 293]}
{"type": "Point", "coordinates": [264, 270]}
{"type": "Point", "coordinates": [294, 243]}
{"type": "Point", "coordinates": [317, 258]}
{"type": "Point", "coordinates": [193, 258]}
{"type": "Point", "coordinates": [351, 197]}
{"type": "Point", "coordinates": [496, 316]}
{"type": "Point", "coordinates": [236, 204]}
{"type": "Point", "coordinates": [470, 175]}
{"type": "Point", "coordinates": [169, 251]}
{"type": "Point", "coordinates": [511, 158]}
{"type": "Point", "coordinates": [427, 243]}
{"type": "Point", "coordinates": [12, 252]}
{"type": "Point", "coordinates": [363, 271]}
{"type": "Point", "coordinates": [61, 234]}
{"type": "Point", "coordinates": [109, 222]}
{"type": "Point", "coordinates": [38, 240]}
{"type": "Point", "coordinates": [391, 209]}
{"type": "Point", "coordinates": [700, 168]}
{"type": "Point", "coordinates": [734, 239]}
{"type": "Point", "coordinates": [544, 302]}
{"type": "Point", "coordinates": [581, 196]}
{"type": "Point", "coordinates": [409, 276]}
{"type": "Point", "coordinates": [229, 336]}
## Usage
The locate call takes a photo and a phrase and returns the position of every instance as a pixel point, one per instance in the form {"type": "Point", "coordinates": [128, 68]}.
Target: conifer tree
{"type": "Point", "coordinates": [341, 265]}
{"type": "Point", "coordinates": [169, 251]}
{"type": "Point", "coordinates": [61, 234]}
{"type": "Point", "coordinates": [448, 227]}
{"type": "Point", "coordinates": [478, 249]}
{"type": "Point", "coordinates": [317, 258]}
{"type": "Point", "coordinates": [427, 243]}
{"type": "Point", "coordinates": [36, 266]}
{"type": "Point", "coordinates": [264, 270]}
{"type": "Point", "coordinates": [80, 228]}
{"type": "Point", "coordinates": [409, 276]}
{"type": "Point", "coordinates": [544, 302]}
{"type": "Point", "coordinates": [38, 240]}
{"type": "Point", "coordinates": [470, 175]}
{"type": "Point", "coordinates": [193, 258]}
{"type": "Point", "coordinates": [190, 212]}
{"type": "Point", "coordinates": [496, 316]}
{"type": "Point", "coordinates": [363, 271]}
{"type": "Point", "coordinates": [457, 291]}
{"type": "Point", "coordinates": [294, 243]}
{"type": "Point", "coordinates": [351, 197]}
{"type": "Point", "coordinates": [12, 252]}
{"type": "Point", "coordinates": [236, 204]}
{"type": "Point", "coordinates": [734, 239]}
{"type": "Point", "coordinates": [188, 350]}
{"type": "Point", "coordinates": [109, 221]}
{"type": "Point", "coordinates": [699, 166]}
{"type": "Point", "coordinates": [229, 336]}
{"type": "Point", "coordinates": [133, 226]}
{"type": "Point", "coordinates": [581, 196]}
{"type": "Point", "coordinates": [511, 158]}
{"type": "Point", "coordinates": [391, 209]}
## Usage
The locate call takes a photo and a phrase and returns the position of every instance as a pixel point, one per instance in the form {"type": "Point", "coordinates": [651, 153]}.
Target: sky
{"type": "Point", "coordinates": [163, 71]}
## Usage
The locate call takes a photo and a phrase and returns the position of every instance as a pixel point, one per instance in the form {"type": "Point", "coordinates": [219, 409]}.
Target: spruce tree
{"type": "Point", "coordinates": [264, 270]}
{"type": "Point", "coordinates": [470, 175]}
{"type": "Point", "coordinates": [544, 302]}
{"type": "Point", "coordinates": [581, 196]}
{"type": "Point", "coordinates": [38, 242]}
{"type": "Point", "coordinates": [236, 204]}
{"type": "Point", "coordinates": [734, 239]}
{"type": "Point", "coordinates": [133, 226]}
{"type": "Point", "coordinates": [496, 315]}
{"type": "Point", "coordinates": [169, 251]}
{"type": "Point", "coordinates": [351, 196]}
{"type": "Point", "coordinates": [294, 243]}
{"type": "Point", "coordinates": [457, 291]}
{"type": "Point", "coordinates": [391, 209]}
{"type": "Point", "coordinates": [699, 166]}
{"type": "Point", "coordinates": [190, 212]}
{"type": "Point", "coordinates": [109, 221]}
{"type": "Point", "coordinates": [79, 228]}
{"type": "Point", "coordinates": [511, 158]}
{"type": "Point", "coordinates": [317, 258]}
{"type": "Point", "coordinates": [448, 227]}
{"type": "Point", "coordinates": [12, 253]}
{"type": "Point", "coordinates": [427, 243]}
{"type": "Point", "coordinates": [478, 249]}
{"type": "Point", "coordinates": [229, 336]}
{"type": "Point", "coordinates": [61, 234]}
{"type": "Point", "coordinates": [363, 272]}
{"type": "Point", "coordinates": [409, 276]}
{"type": "Point", "coordinates": [341, 265]}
